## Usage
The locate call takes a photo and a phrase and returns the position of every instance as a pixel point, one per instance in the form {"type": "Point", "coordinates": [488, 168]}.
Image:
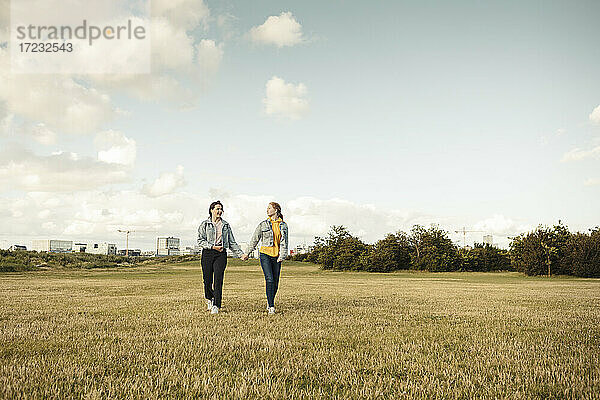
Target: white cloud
{"type": "Point", "coordinates": [285, 99]}
{"type": "Point", "coordinates": [226, 24]}
{"type": "Point", "coordinates": [57, 101]}
{"type": "Point", "coordinates": [166, 183]}
{"type": "Point", "coordinates": [97, 215]}
{"type": "Point", "coordinates": [313, 217]}
{"type": "Point", "coordinates": [592, 182]}
{"type": "Point", "coordinates": [38, 132]}
{"type": "Point", "coordinates": [595, 115]}
{"type": "Point", "coordinates": [172, 48]}
{"type": "Point", "coordinates": [4, 20]}
{"type": "Point", "coordinates": [24, 170]}
{"type": "Point", "coordinates": [500, 227]}
{"type": "Point", "coordinates": [41, 134]}
{"type": "Point", "coordinates": [151, 87]}
{"type": "Point", "coordinates": [282, 30]}
{"type": "Point", "coordinates": [115, 148]}
{"type": "Point", "coordinates": [105, 56]}
{"type": "Point", "coordinates": [499, 224]}
{"type": "Point", "coordinates": [172, 60]}
{"type": "Point", "coordinates": [579, 154]}
{"type": "Point", "coordinates": [78, 228]}
{"type": "Point", "coordinates": [79, 104]}
{"type": "Point", "coordinates": [6, 120]}
{"type": "Point", "coordinates": [184, 13]}
{"type": "Point", "coordinates": [208, 57]}
{"type": "Point", "coordinates": [45, 213]}
{"type": "Point", "coordinates": [177, 60]}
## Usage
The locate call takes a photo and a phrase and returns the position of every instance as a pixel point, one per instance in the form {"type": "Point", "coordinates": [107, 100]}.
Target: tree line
{"type": "Point", "coordinates": [11, 261]}
{"type": "Point", "coordinates": [546, 250]}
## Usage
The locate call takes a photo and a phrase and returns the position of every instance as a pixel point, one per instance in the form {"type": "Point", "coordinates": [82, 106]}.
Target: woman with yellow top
{"type": "Point", "coordinates": [273, 234]}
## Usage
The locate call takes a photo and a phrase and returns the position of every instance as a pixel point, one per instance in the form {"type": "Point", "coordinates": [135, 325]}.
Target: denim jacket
{"type": "Point", "coordinates": [207, 234]}
{"type": "Point", "coordinates": [264, 233]}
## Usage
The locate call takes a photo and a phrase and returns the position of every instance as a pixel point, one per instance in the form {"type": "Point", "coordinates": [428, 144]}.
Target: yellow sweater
{"type": "Point", "coordinates": [273, 251]}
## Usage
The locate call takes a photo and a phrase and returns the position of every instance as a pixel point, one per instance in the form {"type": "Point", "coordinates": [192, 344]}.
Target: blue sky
{"type": "Point", "coordinates": [457, 113]}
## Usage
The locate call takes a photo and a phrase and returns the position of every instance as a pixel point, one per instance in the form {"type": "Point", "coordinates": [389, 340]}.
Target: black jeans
{"type": "Point", "coordinates": [213, 269]}
{"type": "Point", "coordinates": [271, 269]}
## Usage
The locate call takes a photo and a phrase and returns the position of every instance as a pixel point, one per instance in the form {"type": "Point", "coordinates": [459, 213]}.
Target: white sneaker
{"type": "Point", "coordinates": [271, 310]}
{"type": "Point", "coordinates": [214, 310]}
{"type": "Point", "coordinates": [209, 304]}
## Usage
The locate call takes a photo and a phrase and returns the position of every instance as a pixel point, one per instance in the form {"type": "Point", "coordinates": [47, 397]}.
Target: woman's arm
{"type": "Point", "coordinates": [283, 244]}
{"type": "Point", "coordinates": [254, 241]}
{"type": "Point", "coordinates": [202, 241]}
{"type": "Point", "coordinates": [233, 246]}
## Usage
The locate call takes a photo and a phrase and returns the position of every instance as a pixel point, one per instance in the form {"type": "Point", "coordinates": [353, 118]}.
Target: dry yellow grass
{"type": "Point", "coordinates": [144, 333]}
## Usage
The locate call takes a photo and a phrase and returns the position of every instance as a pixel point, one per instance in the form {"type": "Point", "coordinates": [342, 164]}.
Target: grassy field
{"type": "Point", "coordinates": [145, 333]}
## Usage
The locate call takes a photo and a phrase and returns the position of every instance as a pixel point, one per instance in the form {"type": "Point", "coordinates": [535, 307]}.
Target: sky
{"type": "Point", "coordinates": [374, 115]}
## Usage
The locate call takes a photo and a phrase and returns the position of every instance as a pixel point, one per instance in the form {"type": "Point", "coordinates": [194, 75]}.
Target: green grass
{"type": "Point", "coordinates": [145, 333]}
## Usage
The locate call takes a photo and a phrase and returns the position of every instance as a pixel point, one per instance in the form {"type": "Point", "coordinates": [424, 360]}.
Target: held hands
{"type": "Point", "coordinates": [218, 248]}
{"type": "Point", "coordinates": [244, 257]}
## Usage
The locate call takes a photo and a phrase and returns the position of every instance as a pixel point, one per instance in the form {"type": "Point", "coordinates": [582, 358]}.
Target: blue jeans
{"type": "Point", "coordinates": [271, 268]}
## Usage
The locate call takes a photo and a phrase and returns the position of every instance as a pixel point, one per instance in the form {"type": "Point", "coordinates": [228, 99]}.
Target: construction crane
{"type": "Point", "coordinates": [126, 232]}
{"type": "Point", "coordinates": [464, 232]}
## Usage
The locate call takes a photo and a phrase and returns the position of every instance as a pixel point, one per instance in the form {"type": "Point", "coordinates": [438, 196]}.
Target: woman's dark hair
{"type": "Point", "coordinates": [277, 208]}
{"type": "Point", "coordinates": [213, 205]}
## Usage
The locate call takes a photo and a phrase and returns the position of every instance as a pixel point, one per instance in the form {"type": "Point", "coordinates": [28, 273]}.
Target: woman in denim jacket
{"type": "Point", "coordinates": [273, 233]}
{"type": "Point", "coordinates": [215, 237]}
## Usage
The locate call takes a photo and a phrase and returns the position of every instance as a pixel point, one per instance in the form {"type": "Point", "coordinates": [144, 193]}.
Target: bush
{"type": "Point", "coordinates": [554, 250]}
{"type": "Point", "coordinates": [432, 250]}
{"type": "Point", "coordinates": [350, 254]}
{"type": "Point", "coordinates": [484, 258]}
{"type": "Point", "coordinates": [299, 257]}
{"type": "Point", "coordinates": [389, 254]}
{"type": "Point", "coordinates": [424, 249]}
{"type": "Point", "coordinates": [542, 252]}
{"type": "Point", "coordinates": [583, 254]}
{"type": "Point", "coordinates": [173, 259]}
{"type": "Point", "coordinates": [339, 250]}
{"type": "Point", "coordinates": [11, 261]}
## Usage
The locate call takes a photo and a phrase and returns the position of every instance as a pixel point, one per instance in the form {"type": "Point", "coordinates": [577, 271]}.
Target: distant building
{"type": "Point", "coordinates": [148, 253]}
{"type": "Point", "coordinates": [17, 247]}
{"type": "Point", "coordinates": [488, 239]}
{"type": "Point", "coordinates": [79, 247]}
{"type": "Point", "coordinates": [191, 250]}
{"type": "Point", "coordinates": [300, 249]}
{"type": "Point", "coordinates": [52, 246]}
{"type": "Point", "coordinates": [167, 246]}
{"type": "Point", "coordinates": [130, 253]}
{"type": "Point", "coordinates": [102, 248]}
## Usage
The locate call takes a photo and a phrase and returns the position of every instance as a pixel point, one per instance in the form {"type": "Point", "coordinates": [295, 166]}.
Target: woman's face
{"type": "Point", "coordinates": [217, 211]}
{"type": "Point", "coordinates": [271, 211]}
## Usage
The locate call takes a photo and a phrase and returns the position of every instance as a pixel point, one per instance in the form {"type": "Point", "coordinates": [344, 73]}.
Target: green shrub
{"type": "Point", "coordinates": [543, 251]}
{"type": "Point", "coordinates": [583, 254]}
{"type": "Point", "coordinates": [484, 258]}
{"type": "Point", "coordinates": [432, 250]}
{"type": "Point", "coordinates": [389, 254]}
{"type": "Point", "coordinates": [11, 261]}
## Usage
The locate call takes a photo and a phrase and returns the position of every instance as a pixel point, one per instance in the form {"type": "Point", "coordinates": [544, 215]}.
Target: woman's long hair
{"type": "Point", "coordinates": [213, 205]}
{"type": "Point", "coordinates": [277, 208]}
